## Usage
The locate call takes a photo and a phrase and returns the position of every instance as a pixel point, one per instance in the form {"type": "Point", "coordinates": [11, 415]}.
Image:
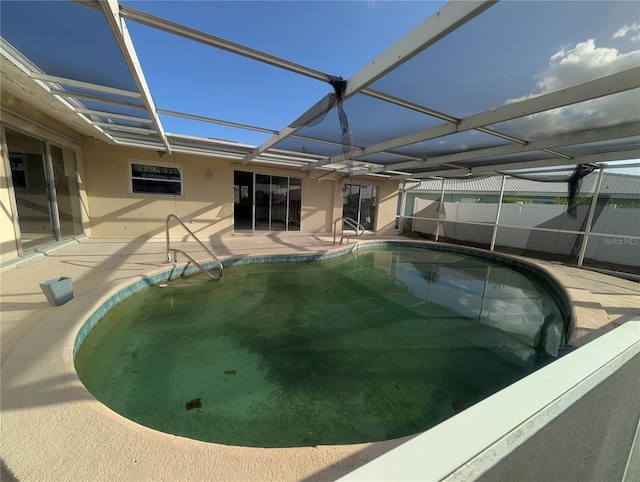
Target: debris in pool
{"type": "Point", "coordinates": [457, 406]}
{"type": "Point", "coordinates": [194, 403]}
{"type": "Point", "coordinates": [163, 285]}
{"type": "Point", "coordinates": [230, 372]}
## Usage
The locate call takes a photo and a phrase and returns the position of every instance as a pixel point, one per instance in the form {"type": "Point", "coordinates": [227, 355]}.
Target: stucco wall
{"type": "Point", "coordinates": [207, 204]}
{"type": "Point", "coordinates": [318, 201]}
{"type": "Point", "coordinates": [8, 245]}
{"type": "Point", "coordinates": [387, 207]}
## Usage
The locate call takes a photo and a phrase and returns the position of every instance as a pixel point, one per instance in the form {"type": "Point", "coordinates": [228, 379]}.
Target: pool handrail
{"type": "Point", "coordinates": [174, 259]}
{"type": "Point", "coordinates": [351, 222]}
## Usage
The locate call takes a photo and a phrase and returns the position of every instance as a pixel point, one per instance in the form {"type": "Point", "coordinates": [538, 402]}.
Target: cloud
{"type": "Point", "coordinates": [585, 61]}
{"type": "Point", "coordinates": [631, 31]}
{"type": "Point", "coordinates": [573, 65]}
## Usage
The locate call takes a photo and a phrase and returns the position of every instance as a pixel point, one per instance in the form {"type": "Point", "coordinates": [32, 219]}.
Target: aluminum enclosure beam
{"type": "Point", "coordinates": [434, 113]}
{"type": "Point", "coordinates": [220, 43]}
{"type": "Point", "coordinates": [562, 140]}
{"type": "Point", "coordinates": [604, 86]}
{"type": "Point", "coordinates": [10, 55]}
{"type": "Point", "coordinates": [437, 26]}
{"type": "Point", "coordinates": [211, 120]}
{"type": "Point", "coordinates": [119, 29]}
{"type": "Point", "coordinates": [130, 118]}
{"type": "Point", "coordinates": [446, 20]}
{"type": "Point", "coordinates": [85, 85]}
{"type": "Point", "coordinates": [511, 166]}
{"type": "Point", "coordinates": [125, 128]}
{"type": "Point", "coordinates": [97, 98]}
{"type": "Point", "coordinates": [215, 121]}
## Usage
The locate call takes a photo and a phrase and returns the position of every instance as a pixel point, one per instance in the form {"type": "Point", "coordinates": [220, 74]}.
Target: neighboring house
{"type": "Point", "coordinates": [621, 189]}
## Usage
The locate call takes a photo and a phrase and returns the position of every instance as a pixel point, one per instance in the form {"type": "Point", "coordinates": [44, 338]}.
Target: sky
{"type": "Point", "coordinates": [513, 51]}
{"type": "Point", "coordinates": [527, 48]}
{"type": "Point", "coordinates": [334, 37]}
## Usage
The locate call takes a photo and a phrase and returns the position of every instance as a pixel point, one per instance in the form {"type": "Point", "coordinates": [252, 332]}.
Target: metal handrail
{"type": "Point", "coordinates": [351, 222]}
{"type": "Point", "coordinates": [191, 260]}
{"type": "Point", "coordinates": [198, 265]}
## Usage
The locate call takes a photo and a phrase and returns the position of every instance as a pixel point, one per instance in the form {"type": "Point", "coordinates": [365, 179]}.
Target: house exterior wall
{"type": "Point", "coordinates": [320, 202]}
{"type": "Point", "coordinates": [8, 233]}
{"type": "Point", "coordinates": [109, 210]}
{"type": "Point", "coordinates": [206, 206]}
{"type": "Point", "coordinates": [387, 207]}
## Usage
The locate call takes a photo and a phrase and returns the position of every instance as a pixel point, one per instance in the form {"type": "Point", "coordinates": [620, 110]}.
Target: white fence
{"type": "Point", "coordinates": [546, 228]}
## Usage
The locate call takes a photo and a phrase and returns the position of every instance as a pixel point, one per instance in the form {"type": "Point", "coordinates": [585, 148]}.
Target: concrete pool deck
{"type": "Point", "coordinates": [53, 429]}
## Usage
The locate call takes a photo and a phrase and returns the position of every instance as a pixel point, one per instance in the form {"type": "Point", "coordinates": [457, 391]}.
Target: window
{"type": "Point", "coordinates": [155, 179]}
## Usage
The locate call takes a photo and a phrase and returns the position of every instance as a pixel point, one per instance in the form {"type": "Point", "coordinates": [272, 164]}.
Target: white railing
{"type": "Point", "coordinates": [359, 228]}
{"type": "Point", "coordinates": [175, 251]}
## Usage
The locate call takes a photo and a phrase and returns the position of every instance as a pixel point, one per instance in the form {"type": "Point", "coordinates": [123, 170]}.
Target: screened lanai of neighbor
{"type": "Point", "coordinates": [117, 114]}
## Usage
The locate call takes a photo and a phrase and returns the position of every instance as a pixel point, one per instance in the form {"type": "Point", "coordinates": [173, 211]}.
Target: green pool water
{"type": "Point", "coordinates": [367, 347]}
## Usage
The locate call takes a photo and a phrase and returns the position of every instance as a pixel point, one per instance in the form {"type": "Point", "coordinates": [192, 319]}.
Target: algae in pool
{"type": "Point", "coordinates": [371, 346]}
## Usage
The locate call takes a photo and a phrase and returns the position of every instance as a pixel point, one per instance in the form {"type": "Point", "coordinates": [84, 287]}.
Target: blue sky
{"type": "Point", "coordinates": [526, 48]}
{"type": "Point", "coordinates": [515, 50]}
{"type": "Point", "coordinates": [334, 37]}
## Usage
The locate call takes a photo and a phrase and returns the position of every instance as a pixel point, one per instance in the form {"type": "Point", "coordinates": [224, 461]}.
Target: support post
{"type": "Point", "coordinates": [403, 203]}
{"type": "Point", "coordinates": [440, 210]}
{"type": "Point", "coordinates": [495, 225]}
{"type": "Point", "coordinates": [592, 209]}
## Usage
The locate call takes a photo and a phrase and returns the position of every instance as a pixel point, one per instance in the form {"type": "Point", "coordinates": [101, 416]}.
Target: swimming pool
{"type": "Point", "coordinates": [367, 346]}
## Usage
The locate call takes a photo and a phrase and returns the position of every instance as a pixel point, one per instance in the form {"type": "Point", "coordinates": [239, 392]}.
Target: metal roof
{"type": "Point", "coordinates": [612, 184]}
{"type": "Point", "coordinates": [477, 87]}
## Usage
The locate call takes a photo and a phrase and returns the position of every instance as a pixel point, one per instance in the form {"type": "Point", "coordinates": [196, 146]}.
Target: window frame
{"type": "Point", "coordinates": [131, 178]}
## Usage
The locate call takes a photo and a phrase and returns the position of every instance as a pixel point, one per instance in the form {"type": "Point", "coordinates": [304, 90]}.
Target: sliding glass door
{"type": "Point", "coordinates": [262, 203]}
{"type": "Point", "coordinates": [45, 188]}
{"type": "Point", "coordinates": [243, 201]}
{"type": "Point", "coordinates": [359, 204]}
{"type": "Point", "coordinates": [277, 202]}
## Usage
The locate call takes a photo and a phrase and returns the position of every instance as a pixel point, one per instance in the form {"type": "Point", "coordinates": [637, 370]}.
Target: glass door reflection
{"type": "Point", "coordinates": [26, 159]}
{"type": "Point", "coordinates": [279, 205]}
{"type": "Point", "coordinates": [66, 191]}
{"type": "Point", "coordinates": [262, 202]}
{"type": "Point", "coordinates": [359, 204]}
